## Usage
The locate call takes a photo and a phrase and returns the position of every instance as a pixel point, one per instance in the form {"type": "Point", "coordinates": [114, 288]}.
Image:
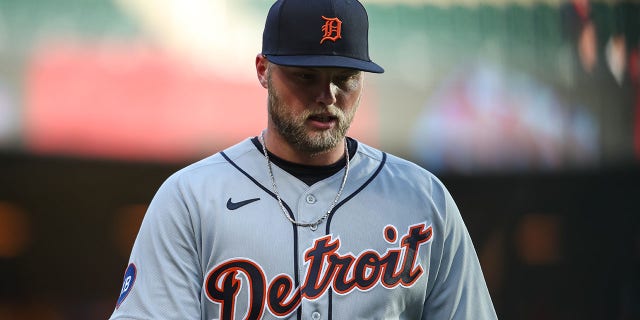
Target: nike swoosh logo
{"type": "Point", "coordinates": [235, 205]}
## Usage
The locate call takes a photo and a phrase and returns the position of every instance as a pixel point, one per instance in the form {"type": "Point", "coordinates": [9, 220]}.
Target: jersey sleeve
{"type": "Point", "coordinates": [459, 290]}
{"type": "Point", "coordinates": [164, 277]}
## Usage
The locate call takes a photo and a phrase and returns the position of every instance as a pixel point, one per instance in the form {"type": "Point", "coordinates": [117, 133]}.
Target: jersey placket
{"type": "Point", "coordinates": [313, 204]}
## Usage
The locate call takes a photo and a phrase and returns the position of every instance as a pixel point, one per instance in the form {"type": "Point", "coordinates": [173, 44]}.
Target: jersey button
{"type": "Point", "coordinates": [315, 315]}
{"type": "Point", "coordinates": [311, 199]}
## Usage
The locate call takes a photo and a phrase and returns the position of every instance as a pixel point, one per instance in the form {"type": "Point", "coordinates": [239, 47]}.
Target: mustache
{"type": "Point", "coordinates": [331, 111]}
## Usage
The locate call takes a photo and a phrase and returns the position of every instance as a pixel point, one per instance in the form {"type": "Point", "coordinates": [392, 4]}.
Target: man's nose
{"type": "Point", "coordinates": [327, 93]}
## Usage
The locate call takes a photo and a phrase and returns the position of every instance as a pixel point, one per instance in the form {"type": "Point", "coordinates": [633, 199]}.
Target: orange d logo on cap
{"type": "Point", "coordinates": [331, 28]}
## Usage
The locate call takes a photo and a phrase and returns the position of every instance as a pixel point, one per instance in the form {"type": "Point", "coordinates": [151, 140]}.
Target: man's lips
{"type": "Point", "coordinates": [323, 118]}
{"type": "Point", "coordinates": [323, 121]}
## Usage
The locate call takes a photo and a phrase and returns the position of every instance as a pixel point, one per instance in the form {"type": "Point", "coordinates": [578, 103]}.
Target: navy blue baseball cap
{"type": "Point", "coordinates": [318, 33]}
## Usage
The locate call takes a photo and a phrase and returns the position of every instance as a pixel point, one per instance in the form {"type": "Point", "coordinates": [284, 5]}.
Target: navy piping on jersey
{"type": "Point", "coordinates": [328, 227]}
{"type": "Point", "coordinates": [296, 276]}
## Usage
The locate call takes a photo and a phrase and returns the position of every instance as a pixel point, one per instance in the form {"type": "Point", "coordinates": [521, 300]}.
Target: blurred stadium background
{"type": "Point", "coordinates": [528, 110]}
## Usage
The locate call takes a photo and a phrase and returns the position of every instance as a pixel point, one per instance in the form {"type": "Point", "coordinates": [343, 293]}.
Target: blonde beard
{"type": "Point", "coordinates": [293, 129]}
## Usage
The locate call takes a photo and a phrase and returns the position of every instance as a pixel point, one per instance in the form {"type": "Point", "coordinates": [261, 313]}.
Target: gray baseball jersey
{"type": "Point", "coordinates": [214, 244]}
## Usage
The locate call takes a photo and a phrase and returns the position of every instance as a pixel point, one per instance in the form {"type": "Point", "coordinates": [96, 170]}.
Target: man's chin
{"type": "Point", "coordinates": [320, 143]}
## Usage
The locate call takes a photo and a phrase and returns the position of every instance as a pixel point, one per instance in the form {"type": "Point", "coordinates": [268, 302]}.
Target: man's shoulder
{"type": "Point", "coordinates": [216, 163]}
{"type": "Point", "coordinates": [391, 160]}
{"type": "Point", "coordinates": [401, 169]}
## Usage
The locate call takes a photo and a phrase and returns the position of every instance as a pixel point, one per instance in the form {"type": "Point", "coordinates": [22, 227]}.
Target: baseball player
{"type": "Point", "coordinates": [300, 221]}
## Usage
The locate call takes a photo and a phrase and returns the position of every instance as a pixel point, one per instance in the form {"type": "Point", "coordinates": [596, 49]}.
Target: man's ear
{"type": "Point", "coordinates": [262, 64]}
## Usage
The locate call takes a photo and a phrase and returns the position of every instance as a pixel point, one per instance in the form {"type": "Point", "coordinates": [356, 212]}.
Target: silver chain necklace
{"type": "Point", "coordinates": [312, 225]}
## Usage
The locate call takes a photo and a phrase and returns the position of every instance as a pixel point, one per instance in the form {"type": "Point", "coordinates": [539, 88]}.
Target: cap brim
{"type": "Point", "coordinates": [325, 61]}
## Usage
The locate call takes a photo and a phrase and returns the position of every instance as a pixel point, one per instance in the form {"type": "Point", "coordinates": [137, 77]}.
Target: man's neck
{"type": "Point", "coordinates": [277, 145]}
{"type": "Point", "coordinates": [307, 173]}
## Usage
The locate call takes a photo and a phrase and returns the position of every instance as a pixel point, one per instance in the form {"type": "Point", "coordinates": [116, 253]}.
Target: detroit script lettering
{"type": "Point", "coordinates": [326, 268]}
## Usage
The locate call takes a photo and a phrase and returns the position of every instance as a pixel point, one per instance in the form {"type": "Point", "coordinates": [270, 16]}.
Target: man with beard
{"type": "Point", "coordinates": [302, 221]}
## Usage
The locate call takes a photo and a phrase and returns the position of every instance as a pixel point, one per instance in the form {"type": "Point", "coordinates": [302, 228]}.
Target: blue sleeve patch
{"type": "Point", "coordinates": [127, 283]}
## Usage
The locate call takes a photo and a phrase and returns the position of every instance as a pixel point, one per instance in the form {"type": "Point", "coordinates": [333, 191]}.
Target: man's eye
{"type": "Point", "coordinates": [343, 79]}
{"type": "Point", "coordinates": [305, 76]}
{"type": "Point", "coordinates": [347, 77]}
{"type": "Point", "coordinates": [347, 81]}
